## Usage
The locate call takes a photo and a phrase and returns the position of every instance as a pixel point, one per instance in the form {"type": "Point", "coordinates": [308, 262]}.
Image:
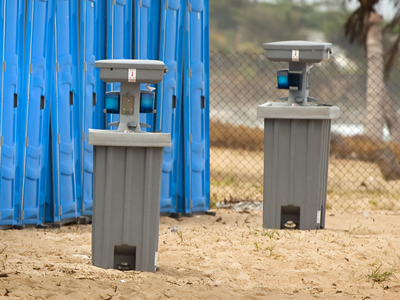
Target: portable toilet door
{"type": "Point", "coordinates": [39, 33]}
{"type": "Point", "coordinates": [196, 108]}
{"type": "Point", "coordinates": [147, 33]}
{"type": "Point", "coordinates": [65, 112]}
{"type": "Point", "coordinates": [170, 101]}
{"type": "Point", "coordinates": [92, 31]}
{"type": "Point", "coordinates": [119, 40]}
{"type": "Point", "coordinates": [12, 33]}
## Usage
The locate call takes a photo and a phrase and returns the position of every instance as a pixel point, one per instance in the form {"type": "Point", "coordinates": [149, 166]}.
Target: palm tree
{"type": "Point", "coordinates": [364, 26]}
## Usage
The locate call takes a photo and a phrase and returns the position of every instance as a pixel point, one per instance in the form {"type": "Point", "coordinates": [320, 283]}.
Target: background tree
{"type": "Point", "coordinates": [364, 26]}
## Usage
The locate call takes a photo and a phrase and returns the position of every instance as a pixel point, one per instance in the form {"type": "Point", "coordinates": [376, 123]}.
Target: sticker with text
{"type": "Point", "coordinates": [132, 75]}
{"type": "Point", "coordinates": [295, 55]}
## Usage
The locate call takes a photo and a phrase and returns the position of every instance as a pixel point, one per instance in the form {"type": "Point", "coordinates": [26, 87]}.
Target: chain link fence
{"type": "Point", "coordinates": [364, 173]}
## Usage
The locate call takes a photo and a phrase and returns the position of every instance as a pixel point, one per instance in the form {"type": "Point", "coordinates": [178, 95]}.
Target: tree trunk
{"type": "Point", "coordinates": [380, 108]}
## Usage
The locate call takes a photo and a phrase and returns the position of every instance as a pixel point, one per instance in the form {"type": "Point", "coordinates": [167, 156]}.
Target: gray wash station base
{"type": "Point", "coordinates": [126, 206]}
{"type": "Point", "coordinates": [296, 154]}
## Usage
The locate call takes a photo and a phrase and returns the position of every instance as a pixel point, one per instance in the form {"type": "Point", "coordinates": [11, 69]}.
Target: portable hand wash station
{"type": "Point", "coordinates": [127, 171]}
{"type": "Point", "coordinates": [296, 141]}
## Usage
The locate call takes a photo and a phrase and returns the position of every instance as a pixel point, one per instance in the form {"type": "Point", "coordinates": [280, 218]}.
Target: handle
{"type": "Point", "coordinates": [173, 101]}
{"type": "Point", "coordinates": [203, 102]}
{"type": "Point", "coordinates": [15, 100]}
{"type": "Point", "coordinates": [42, 102]}
{"type": "Point", "coordinates": [71, 98]}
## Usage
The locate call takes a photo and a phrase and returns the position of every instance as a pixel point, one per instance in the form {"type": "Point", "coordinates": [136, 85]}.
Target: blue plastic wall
{"type": "Point", "coordinates": [92, 89]}
{"type": "Point", "coordinates": [196, 108]}
{"type": "Point", "coordinates": [65, 112]}
{"type": "Point", "coordinates": [51, 94]}
{"type": "Point", "coordinates": [119, 39]}
{"type": "Point", "coordinates": [11, 51]}
{"type": "Point", "coordinates": [36, 109]}
{"type": "Point", "coordinates": [170, 102]}
{"type": "Point", "coordinates": [147, 29]}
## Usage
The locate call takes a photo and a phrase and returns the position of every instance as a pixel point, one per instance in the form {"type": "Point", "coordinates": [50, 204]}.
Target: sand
{"type": "Point", "coordinates": [227, 256]}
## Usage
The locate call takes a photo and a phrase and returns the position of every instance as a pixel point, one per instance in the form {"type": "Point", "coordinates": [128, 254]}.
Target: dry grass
{"type": "Point", "coordinates": [225, 135]}
{"type": "Point", "coordinates": [236, 136]}
{"type": "Point", "coordinates": [355, 182]}
{"type": "Point", "coordinates": [353, 185]}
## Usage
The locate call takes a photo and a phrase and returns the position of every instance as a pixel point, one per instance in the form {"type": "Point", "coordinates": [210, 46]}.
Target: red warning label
{"type": "Point", "coordinates": [132, 75]}
{"type": "Point", "coordinates": [295, 55]}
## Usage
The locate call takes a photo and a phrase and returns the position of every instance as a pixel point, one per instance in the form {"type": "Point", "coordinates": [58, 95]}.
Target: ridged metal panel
{"type": "Point", "coordinates": [296, 153]}
{"type": "Point", "coordinates": [127, 183]}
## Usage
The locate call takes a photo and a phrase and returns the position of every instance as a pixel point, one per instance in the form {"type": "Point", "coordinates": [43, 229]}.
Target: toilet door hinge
{"type": "Point", "coordinates": [190, 7]}
{"type": "Point", "coordinates": [1, 141]}
{"type": "Point", "coordinates": [83, 137]}
{"type": "Point", "coordinates": [84, 67]}
{"type": "Point", "coordinates": [22, 215]}
{"type": "Point", "coordinates": [59, 211]}
{"type": "Point", "coordinates": [57, 67]}
{"type": "Point", "coordinates": [30, 68]}
{"type": "Point", "coordinates": [4, 66]}
{"type": "Point", "coordinates": [190, 138]}
{"type": "Point", "coordinates": [166, 4]}
{"type": "Point", "coordinates": [26, 141]}
{"type": "Point", "coordinates": [58, 138]}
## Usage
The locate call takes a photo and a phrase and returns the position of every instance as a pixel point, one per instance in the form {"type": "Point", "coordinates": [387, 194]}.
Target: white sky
{"type": "Point", "coordinates": [385, 7]}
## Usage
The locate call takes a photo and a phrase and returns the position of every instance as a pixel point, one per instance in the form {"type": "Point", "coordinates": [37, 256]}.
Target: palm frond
{"type": "Point", "coordinates": [356, 27]}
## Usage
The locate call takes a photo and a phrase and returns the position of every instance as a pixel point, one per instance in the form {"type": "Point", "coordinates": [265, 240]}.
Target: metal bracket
{"type": "Point", "coordinates": [127, 104]}
{"type": "Point", "coordinates": [311, 99]}
{"type": "Point", "coordinates": [131, 125]}
{"type": "Point", "coordinates": [144, 125]}
{"type": "Point", "coordinates": [113, 124]}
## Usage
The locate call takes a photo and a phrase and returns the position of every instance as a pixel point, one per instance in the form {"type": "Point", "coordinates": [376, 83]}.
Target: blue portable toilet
{"type": "Point", "coordinates": [119, 40]}
{"type": "Point", "coordinates": [34, 139]}
{"type": "Point", "coordinates": [170, 103]}
{"type": "Point", "coordinates": [196, 108]}
{"type": "Point", "coordinates": [92, 89]}
{"type": "Point", "coordinates": [65, 112]}
{"type": "Point", "coordinates": [147, 29]}
{"type": "Point", "coordinates": [12, 33]}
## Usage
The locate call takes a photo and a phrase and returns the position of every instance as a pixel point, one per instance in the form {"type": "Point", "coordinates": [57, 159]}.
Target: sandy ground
{"type": "Point", "coordinates": [229, 256]}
